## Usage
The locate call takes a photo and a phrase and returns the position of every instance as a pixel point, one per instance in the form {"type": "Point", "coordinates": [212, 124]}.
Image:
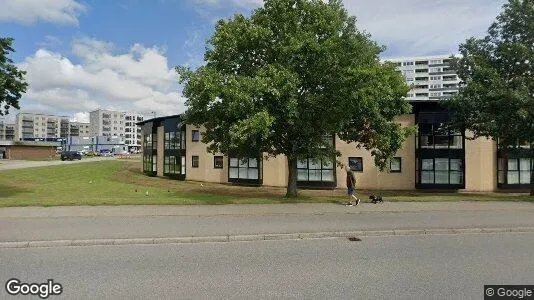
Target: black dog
{"type": "Point", "coordinates": [376, 199]}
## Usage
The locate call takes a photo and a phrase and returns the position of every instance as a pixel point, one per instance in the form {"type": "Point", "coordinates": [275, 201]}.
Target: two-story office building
{"type": "Point", "coordinates": [436, 157]}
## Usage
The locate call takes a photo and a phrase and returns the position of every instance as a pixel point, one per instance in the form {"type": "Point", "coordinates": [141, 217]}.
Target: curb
{"type": "Point", "coordinates": [260, 237]}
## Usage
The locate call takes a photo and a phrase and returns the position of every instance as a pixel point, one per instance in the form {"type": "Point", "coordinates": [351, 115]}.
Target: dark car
{"type": "Point", "coordinates": [70, 155]}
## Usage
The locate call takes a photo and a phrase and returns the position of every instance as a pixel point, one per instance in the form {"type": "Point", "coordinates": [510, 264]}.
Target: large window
{"type": "Point", "coordinates": [315, 170]}
{"type": "Point", "coordinates": [173, 140]}
{"type": "Point", "coordinates": [174, 158]}
{"type": "Point", "coordinates": [172, 164]}
{"type": "Point", "coordinates": [244, 168]}
{"type": "Point", "coordinates": [147, 142]}
{"type": "Point", "coordinates": [514, 171]}
{"type": "Point", "coordinates": [439, 136]}
{"type": "Point", "coordinates": [441, 171]}
{"type": "Point", "coordinates": [149, 154]}
{"type": "Point", "coordinates": [149, 163]}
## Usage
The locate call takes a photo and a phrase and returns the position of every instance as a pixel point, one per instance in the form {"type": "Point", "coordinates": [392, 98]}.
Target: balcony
{"type": "Point", "coordinates": [444, 72]}
{"type": "Point", "coordinates": [450, 78]}
{"type": "Point", "coordinates": [421, 62]}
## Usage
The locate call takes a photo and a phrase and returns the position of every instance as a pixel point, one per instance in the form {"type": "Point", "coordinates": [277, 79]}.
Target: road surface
{"type": "Point", "coordinates": [61, 223]}
{"type": "Point", "coordinates": [409, 267]}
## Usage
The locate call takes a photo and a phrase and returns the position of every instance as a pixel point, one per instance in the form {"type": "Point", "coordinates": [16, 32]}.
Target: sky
{"type": "Point", "coordinates": [81, 55]}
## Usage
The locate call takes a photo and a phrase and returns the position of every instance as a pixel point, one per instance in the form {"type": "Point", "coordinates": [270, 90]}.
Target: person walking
{"type": "Point", "coordinates": [351, 187]}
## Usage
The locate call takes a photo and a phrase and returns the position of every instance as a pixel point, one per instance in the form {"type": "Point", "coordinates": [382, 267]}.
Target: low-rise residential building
{"type": "Point", "coordinates": [435, 158]}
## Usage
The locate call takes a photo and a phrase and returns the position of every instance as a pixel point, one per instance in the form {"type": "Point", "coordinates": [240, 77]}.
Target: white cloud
{"type": "Point", "coordinates": [32, 11]}
{"type": "Point", "coordinates": [225, 3]}
{"type": "Point", "coordinates": [406, 28]}
{"type": "Point", "coordinates": [82, 117]}
{"type": "Point", "coordinates": [421, 27]}
{"type": "Point", "coordinates": [138, 80]}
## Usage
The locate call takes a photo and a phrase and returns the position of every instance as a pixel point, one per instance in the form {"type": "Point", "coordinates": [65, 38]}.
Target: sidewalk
{"type": "Point", "coordinates": [116, 225]}
{"type": "Point", "coordinates": [7, 164]}
{"type": "Point", "coordinates": [261, 209]}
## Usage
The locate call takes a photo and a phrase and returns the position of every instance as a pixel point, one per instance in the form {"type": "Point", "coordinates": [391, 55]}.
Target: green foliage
{"type": "Point", "coordinates": [12, 83]}
{"type": "Point", "coordinates": [288, 76]}
{"type": "Point", "coordinates": [497, 95]}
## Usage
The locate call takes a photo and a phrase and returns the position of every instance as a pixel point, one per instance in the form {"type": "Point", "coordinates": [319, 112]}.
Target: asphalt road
{"type": "Point", "coordinates": [409, 267]}
{"type": "Point", "coordinates": [117, 227]}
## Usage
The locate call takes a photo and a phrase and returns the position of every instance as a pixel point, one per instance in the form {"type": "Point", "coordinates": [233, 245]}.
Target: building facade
{"type": "Point", "coordinates": [430, 78]}
{"type": "Point", "coordinates": [174, 150]}
{"type": "Point", "coordinates": [29, 127]}
{"type": "Point", "coordinates": [115, 144]}
{"type": "Point", "coordinates": [437, 157]}
{"type": "Point", "coordinates": [106, 123]}
{"type": "Point", "coordinates": [132, 132]}
{"type": "Point", "coordinates": [80, 129]}
{"type": "Point", "coordinates": [26, 150]}
{"type": "Point", "coordinates": [7, 131]}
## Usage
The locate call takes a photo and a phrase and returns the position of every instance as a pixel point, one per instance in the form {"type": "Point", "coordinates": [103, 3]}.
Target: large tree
{"type": "Point", "coordinates": [496, 98]}
{"type": "Point", "coordinates": [284, 79]}
{"type": "Point", "coordinates": [12, 83]}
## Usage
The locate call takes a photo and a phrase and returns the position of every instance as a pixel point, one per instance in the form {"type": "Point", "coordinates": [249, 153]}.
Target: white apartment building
{"type": "Point", "coordinates": [132, 132]}
{"type": "Point", "coordinates": [29, 126]}
{"type": "Point", "coordinates": [430, 77]}
{"type": "Point", "coordinates": [107, 123]}
{"type": "Point", "coordinates": [80, 129]}
{"type": "Point", "coordinates": [7, 131]}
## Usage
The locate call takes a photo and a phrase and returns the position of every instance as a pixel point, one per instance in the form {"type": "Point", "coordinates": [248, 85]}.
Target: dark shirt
{"type": "Point", "coordinates": [351, 180]}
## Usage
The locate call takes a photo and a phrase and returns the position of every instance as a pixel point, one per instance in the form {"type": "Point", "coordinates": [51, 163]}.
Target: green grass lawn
{"type": "Point", "coordinates": [121, 183]}
{"type": "Point", "coordinates": [50, 158]}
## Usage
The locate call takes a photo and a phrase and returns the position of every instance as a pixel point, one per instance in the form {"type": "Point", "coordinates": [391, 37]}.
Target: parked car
{"type": "Point", "coordinates": [123, 154]}
{"type": "Point", "coordinates": [106, 153]}
{"type": "Point", "coordinates": [93, 153]}
{"type": "Point", "coordinates": [70, 155]}
{"type": "Point", "coordinates": [83, 152]}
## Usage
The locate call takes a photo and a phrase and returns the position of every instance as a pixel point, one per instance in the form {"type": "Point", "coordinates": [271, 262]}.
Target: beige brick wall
{"type": "Point", "coordinates": [205, 171]}
{"type": "Point", "coordinates": [29, 152]}
{"type": "Point", "coordinates": [371, 178]}
{"type": "Point", "coordinates": [480, 165]}
{"type": "Point", "coordinates": [275, 171]}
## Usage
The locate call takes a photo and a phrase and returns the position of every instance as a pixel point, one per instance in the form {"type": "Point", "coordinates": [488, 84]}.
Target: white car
{"type": "Point", "coordinates": [123, 154]}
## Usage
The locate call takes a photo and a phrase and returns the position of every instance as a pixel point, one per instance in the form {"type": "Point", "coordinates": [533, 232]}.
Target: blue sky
{"type": "Point", "coordinates": [81, 55]}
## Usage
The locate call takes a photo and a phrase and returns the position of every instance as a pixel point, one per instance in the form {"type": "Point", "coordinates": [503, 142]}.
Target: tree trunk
{"type": "Point", "coordinates": [531, 172]}
{"type": "Point", "coordinates": [292, 178]}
